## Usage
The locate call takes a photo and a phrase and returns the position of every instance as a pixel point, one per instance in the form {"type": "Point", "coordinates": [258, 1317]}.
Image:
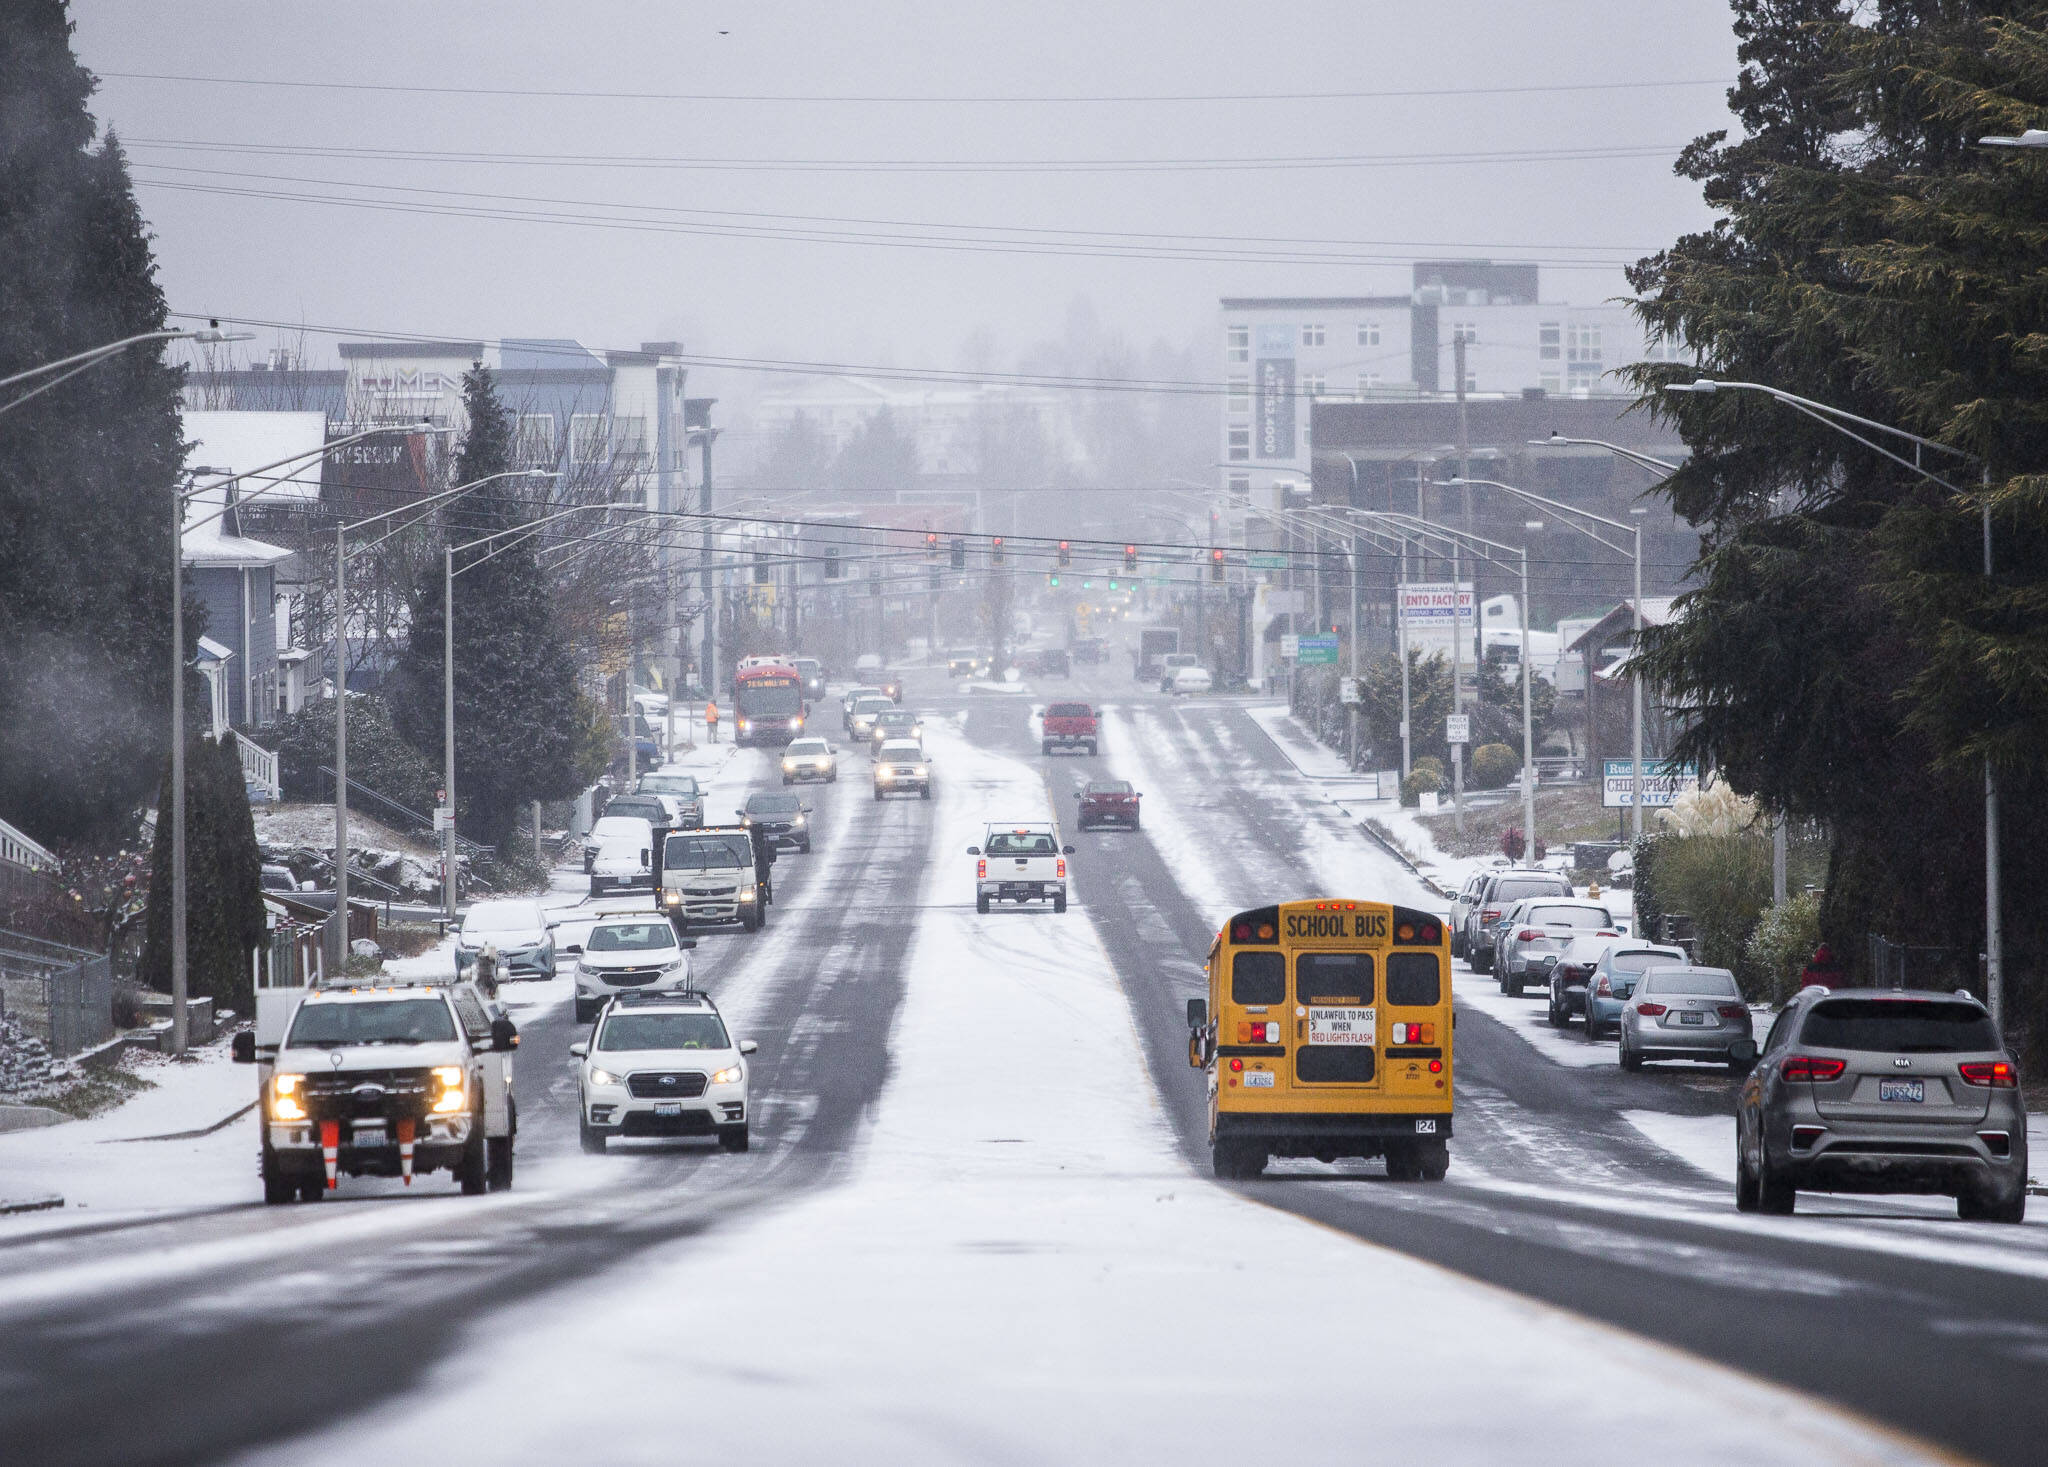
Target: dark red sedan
{"type": "Point", "coordinates": [1108, 802]}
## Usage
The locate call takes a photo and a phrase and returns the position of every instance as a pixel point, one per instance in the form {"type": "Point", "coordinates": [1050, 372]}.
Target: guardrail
{"type": "Point", "coordinates": [259, 765]}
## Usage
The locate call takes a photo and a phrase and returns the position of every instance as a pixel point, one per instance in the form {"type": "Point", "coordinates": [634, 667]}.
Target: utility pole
{"type": "Point", "coordinates": [180, 1029]}
{"type": "Point", "coordinates": [1457, 583]}
{"type": "Point", "coordinates": [448, 724]}
{"type": "Point", "coordinates": [340, 928]}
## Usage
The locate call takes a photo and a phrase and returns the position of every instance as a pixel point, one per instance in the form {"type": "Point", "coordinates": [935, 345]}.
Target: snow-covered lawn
{"type": "Point", "coordinates": [1022, 1269]}
{"type": "Point", "coordinates": [101, 1168]}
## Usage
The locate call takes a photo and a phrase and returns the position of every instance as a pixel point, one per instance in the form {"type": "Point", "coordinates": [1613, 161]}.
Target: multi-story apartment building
{"type": "Point", "coordinates": [1281, 353]}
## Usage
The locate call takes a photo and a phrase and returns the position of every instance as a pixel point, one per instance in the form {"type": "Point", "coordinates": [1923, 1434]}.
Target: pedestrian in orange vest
{"type": "Point", "coordinates": [710, 723]}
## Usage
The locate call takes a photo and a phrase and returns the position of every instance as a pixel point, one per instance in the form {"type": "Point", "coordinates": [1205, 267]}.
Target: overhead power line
{"type": "Point", "coordinates": [1095, 248]}
{"type": "Point", "coordinates": [953, 99]}
{"type": "Point", "coordinates": [683, 162]}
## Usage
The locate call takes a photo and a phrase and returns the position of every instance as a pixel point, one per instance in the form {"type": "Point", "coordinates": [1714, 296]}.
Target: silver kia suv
{"type": "Point", "coordinates": [1881, 1090]}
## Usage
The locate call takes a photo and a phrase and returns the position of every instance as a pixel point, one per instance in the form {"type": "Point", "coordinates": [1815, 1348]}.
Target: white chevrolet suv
{"type": "Point", "coordinates": [662, 1065]}
{"type": "Point", "coordinates": [630, 954]}
{"type": "Point", "coordinates": [1020, 861]}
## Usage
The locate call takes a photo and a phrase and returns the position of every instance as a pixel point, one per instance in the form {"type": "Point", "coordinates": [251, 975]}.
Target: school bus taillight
{"type": "Point", "coordinates": [1413, 1034]}
{"type": "Point", "coordinates": [1258, 1033]}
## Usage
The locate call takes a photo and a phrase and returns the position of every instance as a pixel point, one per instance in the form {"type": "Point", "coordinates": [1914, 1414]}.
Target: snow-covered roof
{"type": "Point", "coordinates": [206, 547]}
{"type": "Point", "coordinates": [212, 651]}
{"type": "Point", "coordinates": [1657, 612]}
{"type": "Point", "coordinates": [241, 441]}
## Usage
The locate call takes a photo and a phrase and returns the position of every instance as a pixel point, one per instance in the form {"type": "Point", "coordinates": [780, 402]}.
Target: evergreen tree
{"type": "Point", "coordinates": [519, 729]}
{"type": "Point", "coordinates": [1843, 655]}
{"type": "Point", "coordinates": [88, 468]}
{"type": "Point", "coordinates": [223, 880]}
{"type": "Point", "coordinates": [878, 460]}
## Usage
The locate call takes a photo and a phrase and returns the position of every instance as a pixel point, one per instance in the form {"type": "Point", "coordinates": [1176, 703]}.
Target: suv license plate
{"type": "Point", "coordinates": [668, 1108]}
{"type": "Point", "coordinates": [1914, 1091]}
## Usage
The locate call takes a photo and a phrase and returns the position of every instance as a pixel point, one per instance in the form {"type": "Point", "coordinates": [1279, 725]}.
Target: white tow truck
{"type": "Point", "coordinates": [1020, 861]}
{"type": "Point", "coordinates": [381, 1077]}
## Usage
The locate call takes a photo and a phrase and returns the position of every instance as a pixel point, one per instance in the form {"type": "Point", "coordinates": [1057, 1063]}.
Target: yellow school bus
{"type": "Point", "coordinates": [1327, 1033]}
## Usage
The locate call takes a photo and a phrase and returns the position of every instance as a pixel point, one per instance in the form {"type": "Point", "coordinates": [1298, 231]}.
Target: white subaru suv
{"type": "Point", "coordinates": [662, 1064]}
{"type": "Point", "coordinates": [631, 953]}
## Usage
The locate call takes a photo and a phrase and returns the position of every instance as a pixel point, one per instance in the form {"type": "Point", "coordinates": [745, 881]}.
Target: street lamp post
{"type": "Point", "coordinates": [68, 367]}
{"type": "Point", "coordinates": [1480, 548]}
{"type": "Point", "coordinates": [341, 559]}
{"type": "Point", "coordinates": [180, 1022]}
{"type": "Point", "coordinates": [1840, 420]}
{"type": "Point", "coordinates": [1636, 555]}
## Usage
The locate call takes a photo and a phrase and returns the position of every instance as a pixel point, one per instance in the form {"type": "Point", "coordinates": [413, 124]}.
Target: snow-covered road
{"type": "Point", "coordinates": [1021, 1269]}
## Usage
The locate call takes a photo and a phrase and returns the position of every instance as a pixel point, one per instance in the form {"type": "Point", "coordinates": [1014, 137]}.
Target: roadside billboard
{"type": "Point", "coordinates": [1274, 434]}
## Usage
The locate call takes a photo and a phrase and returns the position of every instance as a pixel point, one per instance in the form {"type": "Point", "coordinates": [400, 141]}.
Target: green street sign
{"type": "Point", "coordinates": [1316, 652]}
{"type": "Point", "coordinates": [1265, 560]}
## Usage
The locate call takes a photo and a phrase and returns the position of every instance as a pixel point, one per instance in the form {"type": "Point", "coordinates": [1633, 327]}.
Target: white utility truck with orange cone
{"type": "Point", "coordinates": [386, 1079]}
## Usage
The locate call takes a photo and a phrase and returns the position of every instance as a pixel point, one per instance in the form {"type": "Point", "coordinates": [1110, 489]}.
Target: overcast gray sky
{"type": "Point", "coordinates": [393, 269]}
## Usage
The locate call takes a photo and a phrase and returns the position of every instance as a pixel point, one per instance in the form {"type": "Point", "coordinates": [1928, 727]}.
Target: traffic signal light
{"type": "Point", "coordinates": [995, 551]}
{"type": "Point", "coordinates": [1112, 583]}
{"type": "Point", "coordinates": [1216, 564]}
{"type": "Point", "coordinates": [1130, 558]}
{"type": "Point", "coordinates": [1066, 555]}
{"type": "Point", "coordinates": [831, 562]}
{"type": "Point", "coordinates": [931, 545]}
{"type": "Point", "coordinates": [1052, 580]}
{"type": "Point", "coordinates": [959, 553]}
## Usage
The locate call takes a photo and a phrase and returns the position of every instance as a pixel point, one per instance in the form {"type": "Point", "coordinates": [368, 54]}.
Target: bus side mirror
{"type": "Point", "coordinates": [1198, 1013]}
{"type": "Point", "coordinates": [243, 1047]}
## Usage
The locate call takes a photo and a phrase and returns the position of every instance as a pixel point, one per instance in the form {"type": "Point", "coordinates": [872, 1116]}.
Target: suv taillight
{"type": "Point", "coordinates": [1650, 1010]}
{"type": "Point", "coordinates": [1813, 1067]}
{"type": "Point", "coordinates": [1990, 1074]}
{"type": "Point", "coordinates": [1491, 914]}
{"type": "Point", "coordinates": [1061, 869]}
{"type": "Point", "coordinates": [980, 870]}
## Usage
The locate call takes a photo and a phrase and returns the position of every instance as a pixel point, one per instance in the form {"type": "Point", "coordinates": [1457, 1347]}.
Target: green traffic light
{"type": "Point", "coordinates": [1112, 585]}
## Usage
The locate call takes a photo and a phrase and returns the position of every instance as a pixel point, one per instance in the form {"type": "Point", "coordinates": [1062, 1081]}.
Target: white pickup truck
{"type": "Point", "coordinates": [1020, 861]}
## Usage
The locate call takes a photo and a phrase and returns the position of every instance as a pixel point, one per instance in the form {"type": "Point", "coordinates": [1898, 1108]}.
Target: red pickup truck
{"type": "Point", "coordinates": [1068, 726]}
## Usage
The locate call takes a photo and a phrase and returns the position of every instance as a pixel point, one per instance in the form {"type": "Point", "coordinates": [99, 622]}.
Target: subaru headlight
{"type": "Point", "coordinates": [287, 1100]}
{"type": "Point", "coordinates": [885, 775]}
{"type": "Point", "coordinates": [604, 1077]}
{"type": "Point", "coordinates": [731, 1075]}
{"type": "Point", "coordinates": [923, 771]}
{"type": "Point", "coordinates": [789, 764]}
{"type": "Point", "coordinates": [800, 820]}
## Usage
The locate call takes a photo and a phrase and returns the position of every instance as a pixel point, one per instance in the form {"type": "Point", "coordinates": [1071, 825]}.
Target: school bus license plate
{"type": "Point", "coordinates": [1340, 1026]}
